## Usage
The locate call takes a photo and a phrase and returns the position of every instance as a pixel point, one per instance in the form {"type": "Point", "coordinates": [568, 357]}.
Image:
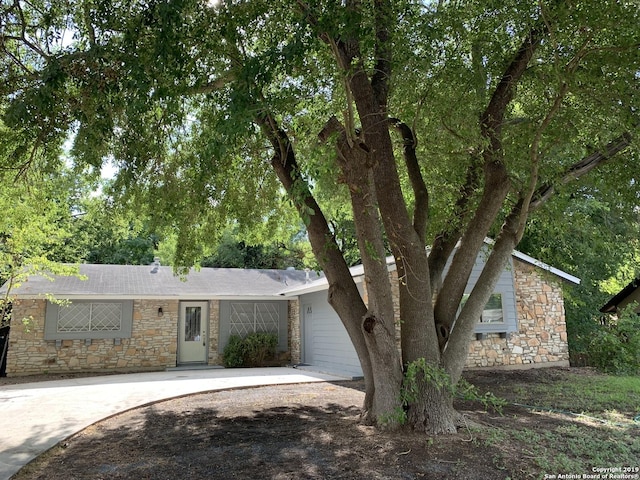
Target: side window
{"type": "Point", "coordinates": [88, 320]}
{"type": "Point", "coordinates": [493, 311]}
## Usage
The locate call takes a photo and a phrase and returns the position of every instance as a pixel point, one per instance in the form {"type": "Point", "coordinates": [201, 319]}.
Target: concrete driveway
{"type": "Point", "coordinates": [36, 416]}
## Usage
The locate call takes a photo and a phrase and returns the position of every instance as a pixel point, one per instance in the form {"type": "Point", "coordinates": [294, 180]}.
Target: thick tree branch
{"type": "Point", "coordinates": [579, 169]}
{"type": "Point", "coordinates": [420, 191]}
{"type": "Point", "coordinates": [383, 51]}
{"type": "Point", "coordinates": [492, 117]}
{"type": "Point", "coordinates": [455, 352]}
{"type": "Point", "coordinates": [343, 292]}
{"type": "Point", "coordinates": [496, 186]}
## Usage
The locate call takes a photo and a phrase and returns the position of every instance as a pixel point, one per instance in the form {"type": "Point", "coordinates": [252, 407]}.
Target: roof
{"type": "Point", "coordinates": [612, 305]}
{"type": "Point", "coordinates": [133, 281]}
{"type": "Point", "coordinates": [321, 283]}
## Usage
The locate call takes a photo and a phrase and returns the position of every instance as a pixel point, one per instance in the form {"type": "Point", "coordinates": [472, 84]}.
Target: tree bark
{"type": "Point", "coordinates": [343, 294]}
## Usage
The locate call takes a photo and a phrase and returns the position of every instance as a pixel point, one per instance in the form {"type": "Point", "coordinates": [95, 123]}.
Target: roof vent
{"type": "Point", "coordinates": [156, 265]}
{"type": "Point", "coordinates": [307, 279]}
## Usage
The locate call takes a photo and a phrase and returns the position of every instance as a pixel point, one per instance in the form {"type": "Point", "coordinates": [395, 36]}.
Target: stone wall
{"type": "Point", "coordinates": [541, 338]}
{"type": "Point", "coordinates": [295, 332]}
{"type": "Point", "coordinates": [152, 345]}
{"type": "Point", "coordinates": [214, 356]}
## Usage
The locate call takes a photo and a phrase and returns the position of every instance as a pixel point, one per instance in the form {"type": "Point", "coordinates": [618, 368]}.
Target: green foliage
{"type": "Point", "coordinates": [259, 347]}
{"type": "Point", "coordinates": [233, 354]}
{"type": "Point", "coordinates": [251, 351]}
{"type": "Point", "coordinates": [234, 253]}
{"type": "Point", "coordinates": [606, 434]}
{"type": "Point", "coordinates": [35, 211]}
{"type": "Point", "coordinates": [597, 240]}
{"type": "Point", "coordinates": [420, 371]}
{"type": "Point", "coordinates": [615, 348]}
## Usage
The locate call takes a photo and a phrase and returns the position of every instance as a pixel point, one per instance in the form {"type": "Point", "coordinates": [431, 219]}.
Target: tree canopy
{"type": "Point", "coordinates": [424, 123]}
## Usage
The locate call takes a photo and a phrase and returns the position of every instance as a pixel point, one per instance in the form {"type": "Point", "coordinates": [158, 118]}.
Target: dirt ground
{"type": "Point", "coordinates": [308, 431]}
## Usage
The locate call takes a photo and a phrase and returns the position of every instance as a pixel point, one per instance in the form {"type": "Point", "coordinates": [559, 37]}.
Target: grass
{"type": "Point", "coordinates": [584, 394]}
{"type": "Point", "coordinates": [607, 435]}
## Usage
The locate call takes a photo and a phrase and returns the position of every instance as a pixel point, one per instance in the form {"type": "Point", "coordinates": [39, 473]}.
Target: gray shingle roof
{"type": "Point", "coordinates": [131, 281]}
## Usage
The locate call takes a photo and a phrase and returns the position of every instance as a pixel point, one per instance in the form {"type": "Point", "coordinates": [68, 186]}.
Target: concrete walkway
{"type": "Point", "coordinates": [36, 416]}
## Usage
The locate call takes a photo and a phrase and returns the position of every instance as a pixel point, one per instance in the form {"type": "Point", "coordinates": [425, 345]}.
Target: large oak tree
{"type": "Point", "coordinates": [439, 123]}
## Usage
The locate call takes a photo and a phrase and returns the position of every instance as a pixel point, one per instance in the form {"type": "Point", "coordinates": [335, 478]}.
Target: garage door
{"type": "Point", "coordinates": [326, 343]}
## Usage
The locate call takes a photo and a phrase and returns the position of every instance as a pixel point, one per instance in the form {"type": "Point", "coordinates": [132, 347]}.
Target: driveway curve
{"type": "Point", "coordinates": [36, 416]}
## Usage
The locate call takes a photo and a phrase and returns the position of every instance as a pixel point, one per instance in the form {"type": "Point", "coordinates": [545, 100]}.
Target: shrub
{"type": "Point", "coordinates": [615, 348]}
{"type": "Point", "coordinates": [233, 354]}
{"type": "Point", "coordinates": [259, 347]}
{"type": "Point", "coordinates": [251, 351]}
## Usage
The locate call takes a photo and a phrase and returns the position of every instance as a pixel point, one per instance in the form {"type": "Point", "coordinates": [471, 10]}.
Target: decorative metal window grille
{"type": "Point", "coordinates": [90, 317]}
{"type": "Point", "coordinates": [254, 317]}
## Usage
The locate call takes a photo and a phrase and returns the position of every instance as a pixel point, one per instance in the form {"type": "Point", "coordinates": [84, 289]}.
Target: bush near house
{"type": "Point", "coordinates": [615, 348]}
{"type": "Point", "coordinates": [254, 350]}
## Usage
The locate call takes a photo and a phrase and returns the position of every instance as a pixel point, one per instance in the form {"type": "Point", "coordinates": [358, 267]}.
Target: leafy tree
{"type": "Point", "coordinates": [102, 233]}
{"type": "Point", "coordinates": [234, 253]}
{"type": "Point", "coordinates": [31, 226]}
{"type": "Point", "coordinates": [439, 123]}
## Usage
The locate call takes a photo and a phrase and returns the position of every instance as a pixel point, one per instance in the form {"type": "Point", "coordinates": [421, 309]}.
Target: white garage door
{"type": "Point", "coordinates": [326, 343]}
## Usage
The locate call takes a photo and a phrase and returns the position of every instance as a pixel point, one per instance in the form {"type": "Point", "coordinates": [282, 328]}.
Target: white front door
{"type": "Point", "coordinates": [192, 332]}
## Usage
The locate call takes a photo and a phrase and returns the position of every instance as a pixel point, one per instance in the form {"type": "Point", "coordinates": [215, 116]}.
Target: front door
{"type": "Point", "coordinates": [192, 332]}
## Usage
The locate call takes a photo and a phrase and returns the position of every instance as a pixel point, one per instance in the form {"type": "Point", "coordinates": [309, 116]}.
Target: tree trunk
{"type": "Point", "coordinates": [433, 411]}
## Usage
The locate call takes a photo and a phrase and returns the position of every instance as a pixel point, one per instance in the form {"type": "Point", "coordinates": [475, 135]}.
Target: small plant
{"type": "Point", "coordinates": [437, 376]}
{"type": "Point", "coordinates": [251, 351]}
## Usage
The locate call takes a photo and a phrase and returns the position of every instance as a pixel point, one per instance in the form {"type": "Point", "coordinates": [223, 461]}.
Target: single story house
{"type": "Point", "coordinates": [126, 318]}
{"type": "Point", "coordinates": [629, 294]}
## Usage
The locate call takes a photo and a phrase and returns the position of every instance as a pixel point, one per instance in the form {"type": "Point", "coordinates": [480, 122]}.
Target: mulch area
{"type": "Point", "coordinates": [305, 431]}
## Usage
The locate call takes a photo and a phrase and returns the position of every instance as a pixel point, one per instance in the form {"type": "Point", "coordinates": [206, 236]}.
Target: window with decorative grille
{"type": "Point", "coordinates": [89, 317]}
{"type": "Point", "coordinates": [253, 317]}
{"type": "Point", "coordinates": [86, 319]}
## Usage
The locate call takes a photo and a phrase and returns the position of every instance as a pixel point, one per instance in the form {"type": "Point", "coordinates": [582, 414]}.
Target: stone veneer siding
{"type": "Point", "coordinates": [152, 345]}
{"type": "Point", "coordinates": [542, 331]}
{"type": "Point", "coordinates": [295, 332]}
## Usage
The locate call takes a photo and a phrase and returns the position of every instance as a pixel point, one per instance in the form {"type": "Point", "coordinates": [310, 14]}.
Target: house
{"type": "Point", "coordinates": [125, 318]}
{"type": "Point", "coordinates": [629, 294]}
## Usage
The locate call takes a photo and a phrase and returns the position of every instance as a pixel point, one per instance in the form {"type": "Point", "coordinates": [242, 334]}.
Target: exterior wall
{"type": "Point", "coordinates": [152, 345]}
{"type": "Point", "coordinates": [295, 332]}
{"type": "Point", "coordinates": [541, 336]}
{"type": "Point", "coordinates": [542, 333]}
{"type": "Point", "coordinates": [214, 356]}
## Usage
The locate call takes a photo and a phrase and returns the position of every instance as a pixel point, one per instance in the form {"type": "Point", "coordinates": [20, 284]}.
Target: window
{"type": "Point", "coordinates": [253, 317]}
{"type": "Point", "coordinates": [493, 311]}
{"type": "Point", "coordinates": [243, 318]}
{"type": "Point", "coordinates": [89, 317]}
{"type": "Point", "coordinates": [86, 320]}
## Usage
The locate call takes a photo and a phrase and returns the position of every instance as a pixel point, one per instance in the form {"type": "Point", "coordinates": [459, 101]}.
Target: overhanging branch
{"type": "Point", "coordinates": [581, 168]}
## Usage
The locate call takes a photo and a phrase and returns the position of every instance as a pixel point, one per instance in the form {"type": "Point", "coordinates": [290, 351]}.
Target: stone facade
{"type": "Point", "coordinates": [152, 345]}
{"type": "Point", "coordinates": [295, 332]}
{"type": "Point", "coordinates": [541, 339]}
{"type": "Point", "coordinates": [214, 356]}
